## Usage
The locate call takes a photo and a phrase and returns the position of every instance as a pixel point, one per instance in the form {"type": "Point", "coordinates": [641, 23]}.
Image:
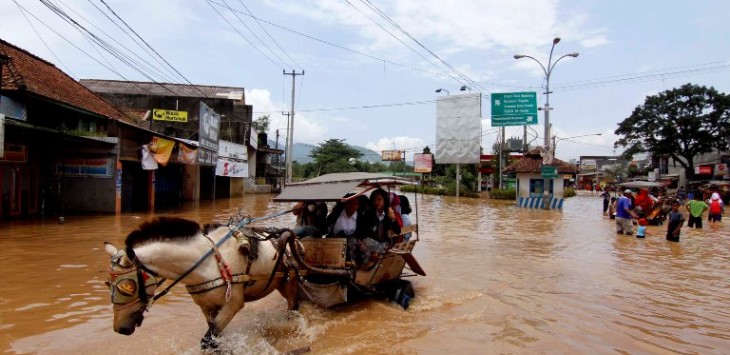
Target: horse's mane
{"type": "Point", "coordinates": [163, 229]}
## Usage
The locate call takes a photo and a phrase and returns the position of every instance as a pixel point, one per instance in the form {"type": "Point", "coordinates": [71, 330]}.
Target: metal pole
{"type": "Point", "coordinates": [458, 179]}
{"type": "Point", "coordinates": [501, 160]}
{"type": "Point", "coordinates": [290, 129]}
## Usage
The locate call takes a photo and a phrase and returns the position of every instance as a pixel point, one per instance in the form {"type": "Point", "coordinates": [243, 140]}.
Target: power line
{"type": "Point", "coordinates": [392, 22]}
{"type": "Point", "coordinates": [168, 76]}
{"type": "Point", "coordinates": [268, 34]}
{"type": "Point", "coordinates": [153, 49]}
{"type": "Point", "coordinates": [241, 34]}
{"type": "Point", "coordinates": [402, 42]}
{"type": "Point", "coordinates": [41, 37]}
{"type": "Point", "coordinates": [340, 46]}
{"type": "Point", "coordinates": [412, 103]}
{"type": "Point", "coordinates": [285, 64]}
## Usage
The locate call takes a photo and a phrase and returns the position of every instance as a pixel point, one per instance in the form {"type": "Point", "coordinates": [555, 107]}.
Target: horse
{"type": "Point", "coordinates": [244, 269]}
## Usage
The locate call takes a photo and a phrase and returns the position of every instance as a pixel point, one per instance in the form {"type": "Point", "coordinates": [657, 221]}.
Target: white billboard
{"type": "Point", "coordinates": [458, 129]}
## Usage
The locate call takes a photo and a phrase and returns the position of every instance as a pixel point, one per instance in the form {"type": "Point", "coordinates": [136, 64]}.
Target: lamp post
{"type": "Point", "coordinates": [548, 71]}
{"type": "Point", "coordinates": [442, 89]}
{"type": "Point", "coordinates": [464, 88]}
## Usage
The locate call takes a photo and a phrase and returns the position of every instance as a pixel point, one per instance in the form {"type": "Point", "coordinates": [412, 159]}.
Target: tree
{"type": "Point", "coordinates": [680, 123]}
{"type": "Point", "coordinates": [333, 156]}
{"type": "Point", "coordinates": [261, 124]}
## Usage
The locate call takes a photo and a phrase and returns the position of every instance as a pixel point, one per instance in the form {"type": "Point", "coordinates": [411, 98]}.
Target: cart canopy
{"type": "Point", "coordinates": [333, 187]}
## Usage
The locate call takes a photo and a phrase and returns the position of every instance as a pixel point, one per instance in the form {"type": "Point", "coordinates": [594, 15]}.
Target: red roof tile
{"type": "Point", "coordinates": [25, 71]}
{"type": "Point", "coordinates": [532, 162]}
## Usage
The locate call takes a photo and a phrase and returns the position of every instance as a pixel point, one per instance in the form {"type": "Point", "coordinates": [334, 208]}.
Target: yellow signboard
{"type": "Point", "coordinates": [159, 114]}
{"type": "Point", "coordinates": [392, 155]}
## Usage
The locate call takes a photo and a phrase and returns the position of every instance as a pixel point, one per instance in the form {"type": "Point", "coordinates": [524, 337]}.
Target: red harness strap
{"type": "Point", "coordinates": [223, 267]}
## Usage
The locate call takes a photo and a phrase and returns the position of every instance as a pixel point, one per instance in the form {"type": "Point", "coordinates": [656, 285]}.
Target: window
{"type": "Point", "coordinates": [537, 186]}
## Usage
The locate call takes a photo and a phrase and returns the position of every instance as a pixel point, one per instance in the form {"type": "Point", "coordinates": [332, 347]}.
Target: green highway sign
{"type": "Point", "coordinates": [549, 172]}
{"type": "Point", "coordinates": [514, 109]}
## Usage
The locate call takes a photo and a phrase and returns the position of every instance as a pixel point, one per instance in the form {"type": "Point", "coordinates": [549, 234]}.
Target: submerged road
{"type": "Point", "coordinates": [500, 280]}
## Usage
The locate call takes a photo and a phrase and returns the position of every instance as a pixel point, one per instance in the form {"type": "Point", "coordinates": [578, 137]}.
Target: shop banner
{"type": "Point", "coordinates": [703, 170]}
{"type": "Point", "coordinates": [187, 155]}
{"type": "Point", "coordinates": [15, 153]}
{"type": "Point", "coordinates": [422, 163]}
{"type": "Point", "coordinates": [94, 168]}
{"type": "Point", "coordinates": [231, 168]}
{"type": "Point", "coordinates": [159, 114]}
{"type": "Point", "coordinates": [148, 160]}
{"type": "Point", "coordinates": [392, 155]}
{"type": "Point", "coordinates": [161, 149]}
{"type": "Point", "coordinates": [2, 135]}
{"type": "Point", "coordinates": [720, 169]}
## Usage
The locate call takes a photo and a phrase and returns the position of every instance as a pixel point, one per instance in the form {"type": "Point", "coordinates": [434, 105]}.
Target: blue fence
{"type": "Point", "coordinates": [539, 202]}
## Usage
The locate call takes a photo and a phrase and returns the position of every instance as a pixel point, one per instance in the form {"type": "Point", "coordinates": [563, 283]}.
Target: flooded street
{"type": "Point", "coordinates": [500, 280]}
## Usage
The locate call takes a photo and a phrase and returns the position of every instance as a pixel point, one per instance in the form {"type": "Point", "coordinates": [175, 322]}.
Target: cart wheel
{"type": "Point", "coordinates": [404, 293]}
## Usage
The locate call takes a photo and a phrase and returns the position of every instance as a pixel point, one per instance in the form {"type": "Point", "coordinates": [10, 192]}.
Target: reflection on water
{"type": "Point", "coordinates": [500, 280]}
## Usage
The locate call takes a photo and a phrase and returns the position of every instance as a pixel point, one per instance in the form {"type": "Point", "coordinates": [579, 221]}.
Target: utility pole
{"type": "Point", "coordinates": [290, 128]}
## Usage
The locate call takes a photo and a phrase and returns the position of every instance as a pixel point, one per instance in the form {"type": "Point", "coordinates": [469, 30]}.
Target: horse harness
{"type": "Point", "coordinates": [124, 284]}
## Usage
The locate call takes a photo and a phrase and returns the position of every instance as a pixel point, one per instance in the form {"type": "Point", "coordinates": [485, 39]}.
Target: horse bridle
{"type": "Point", "coordinates": [129, 285]}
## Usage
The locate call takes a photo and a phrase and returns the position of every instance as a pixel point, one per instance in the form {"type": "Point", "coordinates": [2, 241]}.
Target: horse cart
{"type": "Point", "coordinates": [225, 265]}
{"type": "Point", "coordinates": [331, 276]}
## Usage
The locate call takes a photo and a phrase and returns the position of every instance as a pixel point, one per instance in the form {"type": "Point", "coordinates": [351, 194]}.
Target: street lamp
{"type": "Point", "coordinates": [548, 71]}
{"type": "Point", "coordinates": [464, 88]}
{"type": "Point", "coordinates": [442, 89]}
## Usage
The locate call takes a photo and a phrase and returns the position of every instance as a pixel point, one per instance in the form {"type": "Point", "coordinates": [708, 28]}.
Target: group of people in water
{"type": "Point", "coordinates": [645, 207]}
{"type": "Point", "coordinates": [369, 224]}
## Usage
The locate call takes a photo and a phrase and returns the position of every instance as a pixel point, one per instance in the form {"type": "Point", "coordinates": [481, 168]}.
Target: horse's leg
{"type": "Point", "coordinates": [290, 290]}
{"type": "Point", "coordinates": [220, 313]}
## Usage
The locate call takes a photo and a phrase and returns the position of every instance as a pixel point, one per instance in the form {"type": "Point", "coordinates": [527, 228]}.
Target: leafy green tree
{"type": "Point", "coordinates": [333, 156]}
{"type": "Point", "coordinates": [261, 124]}
{"type": "Point", "coordinates": [681, 123]}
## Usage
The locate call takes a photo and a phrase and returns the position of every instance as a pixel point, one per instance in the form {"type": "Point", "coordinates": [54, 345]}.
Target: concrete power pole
{"type": "Point", "coordinates": [290, 130]}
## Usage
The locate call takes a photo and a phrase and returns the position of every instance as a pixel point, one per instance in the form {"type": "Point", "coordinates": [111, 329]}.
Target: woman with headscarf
{"type": "Point", "coordinates": [717, 207]}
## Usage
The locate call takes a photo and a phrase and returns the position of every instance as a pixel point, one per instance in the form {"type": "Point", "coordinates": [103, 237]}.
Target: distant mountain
{"type": "Point", "coordinates": [302, 151]}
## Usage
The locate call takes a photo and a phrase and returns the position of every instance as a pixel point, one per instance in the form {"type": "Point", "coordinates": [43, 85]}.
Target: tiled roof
{"type": "Point", "coordinates": [25, 71]}
{"type": "Point", "coordinates": [163, 89]}
{"type": "Point", "coordinates": [532, 162]}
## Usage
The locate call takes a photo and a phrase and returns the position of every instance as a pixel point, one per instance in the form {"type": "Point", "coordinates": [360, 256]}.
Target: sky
{"type": "Point", "coordinates": [371, 67]}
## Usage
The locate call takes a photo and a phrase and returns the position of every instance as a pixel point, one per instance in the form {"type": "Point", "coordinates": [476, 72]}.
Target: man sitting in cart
{"type": "Point", "coordinates": [311, 219]}
{"type": "Point", "coordinates": [368, 229]}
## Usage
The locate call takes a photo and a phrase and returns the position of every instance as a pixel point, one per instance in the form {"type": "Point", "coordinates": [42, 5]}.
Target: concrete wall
{"type": "Point", "coordinates": [236, 187]}
{"type": "Point", "coordinates": [190, 191]}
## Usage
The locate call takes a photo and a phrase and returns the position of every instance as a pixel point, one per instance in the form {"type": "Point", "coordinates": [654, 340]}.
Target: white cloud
{"type": "Point", "coordinates": [468, 24]}
{"type": "Point", "coordinates": [595, 41]}
{"type": "Point", "coordinates": [306, 130]}
{"type": "Point", "coordinates": [397, 143]}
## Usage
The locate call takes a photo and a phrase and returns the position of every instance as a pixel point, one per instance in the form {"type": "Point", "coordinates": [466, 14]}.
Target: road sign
{"type": "Point", "coordinates": [549, 172]}
{"type": "Point", "coordinates": [514, 109]}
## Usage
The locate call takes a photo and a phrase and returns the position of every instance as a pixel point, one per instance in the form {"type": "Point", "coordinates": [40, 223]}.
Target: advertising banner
{"type": "Point", "coordinates": [94, 168]}
{"type": "Point", "coordinates": [588, 164]}
{"type": "Point", "coordinates": [161, 149]}
{"type": "Point", "coordinates": [703, 170]}
{"type": "Point", "coordinates": [159, 114]}
{"type": "Point", "coordinates": [231, 150]}
{"type": "Point", "coordinates": [187, 155]}
{"type": "Point", "coordinates": [458, 129]}
{"type": "Point", "coordinates": [231, 168]}
{"type": "Point", "coordinates": [422, 163]}
{"type": "Point", "coordinates": [210, 123]}
{"type": "Point", "coordinates": [207, 157]}
{"type": "Point", "coordinates": [392, 155]}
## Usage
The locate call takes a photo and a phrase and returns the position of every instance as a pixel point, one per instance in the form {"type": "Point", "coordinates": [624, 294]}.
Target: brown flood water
{"type": "Point", "coordinates": [501, 280]}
